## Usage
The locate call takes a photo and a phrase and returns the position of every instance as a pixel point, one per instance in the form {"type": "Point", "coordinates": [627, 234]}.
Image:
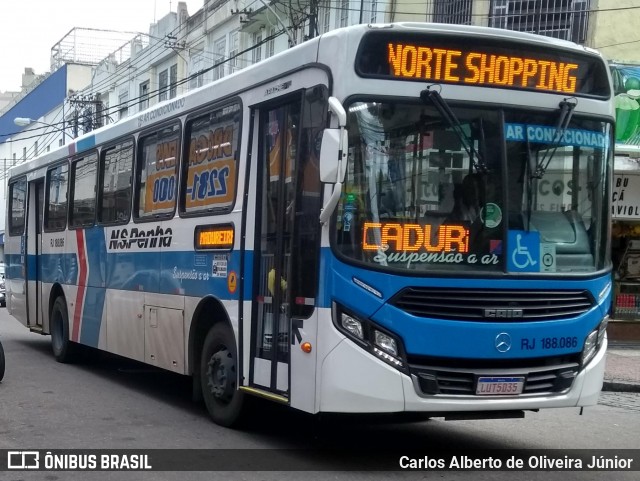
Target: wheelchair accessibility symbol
{"type": "Point", "coordinates": [524, 250]}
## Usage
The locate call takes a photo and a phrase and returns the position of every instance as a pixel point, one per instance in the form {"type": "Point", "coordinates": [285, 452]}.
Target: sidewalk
{"type": "Point", "coordinates": [622, 372]}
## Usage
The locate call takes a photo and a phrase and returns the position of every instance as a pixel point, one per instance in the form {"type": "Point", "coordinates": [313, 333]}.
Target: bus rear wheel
{"type": "Point", "coordinates": [219, 376]}
{"type": "Point", "coordinates": [63, 348]}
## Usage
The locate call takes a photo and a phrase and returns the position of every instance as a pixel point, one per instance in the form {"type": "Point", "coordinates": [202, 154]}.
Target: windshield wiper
{"type": "Point", "coordinates": [445, 111]}
{"type": "Point", "coordinates": [567, 106]}
{"type": "Point", "coordinates": [536, 170]}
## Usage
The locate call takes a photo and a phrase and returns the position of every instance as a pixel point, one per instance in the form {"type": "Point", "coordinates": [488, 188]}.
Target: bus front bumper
{"type": "Point", "coordinates": [354, 381]}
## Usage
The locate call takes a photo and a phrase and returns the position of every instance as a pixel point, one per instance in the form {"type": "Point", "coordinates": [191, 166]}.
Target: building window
{"type": "Point", "coordinates": [106, 118]}
{"type": "Point", "coordinates": [325, 17]}
{"type": "Point", "coordinates": [343, 17]}
{"type": "Point", "coordinates": [219, 50]}
{"type": "Point", "coordinates": [163, 84]}
{"type": "Point", "coordinates": [197, 64]}
{"type": "Point", "coordinates": [499, 12]}
{"type": "Point", "coordinates": [173, 81]}
{"type": "Point", "coordinates": [452, 11]}
{"type": "Point", "coordinates": [374, 11]}
{"type": "Point", "coordinates": [144, 95]}
{"type": "Point", "coordinates": [234, 51]}
{"type": "Point", "coordinates": [123, 104]}
{"type": "Point", "coordinates": [563, 19]}
{"type": "Point", "coordinates": [256, 52]}
{"type": "Point", "coordinates": [271, 44]}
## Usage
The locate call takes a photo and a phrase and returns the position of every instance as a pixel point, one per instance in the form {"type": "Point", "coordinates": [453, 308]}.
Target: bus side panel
{"type": "Point", "coordinates": [89, 302]}
{"type": "Point", "coordinates": [15, 278]}
{"type": "Point", "coordinates": [124, 323]}
{"type": "Point", "coordinates": [55, 264]}
{"type": "Point", "coordinates": [131, 271]}
{"type": "Point", "coordinates": [303, 364]}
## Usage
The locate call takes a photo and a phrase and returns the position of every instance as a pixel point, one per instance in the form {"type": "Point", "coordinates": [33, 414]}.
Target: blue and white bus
{"type": "Point", "coordinates": [386, 218]}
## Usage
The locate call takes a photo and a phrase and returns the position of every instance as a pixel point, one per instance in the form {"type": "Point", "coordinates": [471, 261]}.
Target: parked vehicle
{"type": "Point", "coordinates": [3, 291]}
{"type": "Point", "coordinates": [1, 362]}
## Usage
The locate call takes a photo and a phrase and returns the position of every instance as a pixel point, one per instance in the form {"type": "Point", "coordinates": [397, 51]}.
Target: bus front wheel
{"type": "Point", "coordinates": [219, 376]}
{"type": "Point", "coordinates": [63, 349]}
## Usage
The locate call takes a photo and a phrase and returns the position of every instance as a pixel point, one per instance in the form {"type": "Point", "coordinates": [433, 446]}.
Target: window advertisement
{"type": "Point", "coordinates": [159, 160]}
{"type": "Point", "coordinates": [503, 191]}
{"type": "Point", "coordinates": [212, 164]}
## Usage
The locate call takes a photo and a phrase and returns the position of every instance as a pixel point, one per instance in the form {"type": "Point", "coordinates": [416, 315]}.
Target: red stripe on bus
{"type": "Point", "coordinates": [82, 264]}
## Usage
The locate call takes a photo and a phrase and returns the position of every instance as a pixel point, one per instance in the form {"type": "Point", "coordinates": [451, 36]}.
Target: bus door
{"type": "Point", "coordinates": [34, 250]}
{"type": "Point", "coordinates": [287, 244]}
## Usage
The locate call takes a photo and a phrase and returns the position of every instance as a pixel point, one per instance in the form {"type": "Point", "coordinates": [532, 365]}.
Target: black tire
{"type": "Point", "coordinates": [63, 349]}
{"type": "Point", "coordinates": [219, 377]}
{"type": "Point", "coordinates": [1, 362]}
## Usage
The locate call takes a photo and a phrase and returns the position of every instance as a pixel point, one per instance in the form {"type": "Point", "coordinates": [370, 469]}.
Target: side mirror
{"type": "Point", "coordinates": [334, 155]}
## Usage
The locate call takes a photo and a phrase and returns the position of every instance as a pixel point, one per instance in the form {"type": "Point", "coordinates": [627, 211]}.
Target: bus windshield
{"type": "Point", "coordinates": [416, 199]}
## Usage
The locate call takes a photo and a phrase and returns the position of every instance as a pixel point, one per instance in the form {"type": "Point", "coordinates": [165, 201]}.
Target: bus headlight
{"type": "Point", "coordinates": [352, 325]}
{"type": "Point", "coordinates": [594, 341]}
{"type": "Point", "coordinates": [387, 343]}
{"type": "Point", "coordinates": [602, 330]}
{"type": "Point", "coordinates": [370, 337]}
{"type": "Point", "coordinates": [590, 347]}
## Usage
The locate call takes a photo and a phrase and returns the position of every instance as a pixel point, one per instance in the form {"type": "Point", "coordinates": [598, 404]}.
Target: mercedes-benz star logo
{"type": "Point", "coordinates": [503, 342]}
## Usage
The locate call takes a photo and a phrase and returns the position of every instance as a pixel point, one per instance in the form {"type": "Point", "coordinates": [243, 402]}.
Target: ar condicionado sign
{"type": "Point", "coordinates": [476, 68]}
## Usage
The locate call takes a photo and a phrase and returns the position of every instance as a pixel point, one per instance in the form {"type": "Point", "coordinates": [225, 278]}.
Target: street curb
{"type": "Point", "coordinates": [617, 386]}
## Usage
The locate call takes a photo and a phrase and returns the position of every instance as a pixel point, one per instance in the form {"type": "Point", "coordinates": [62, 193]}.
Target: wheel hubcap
{"type": "Point", "coordinates": [57, 331]}
{"type": "Point", "coordinates": [221, 375]}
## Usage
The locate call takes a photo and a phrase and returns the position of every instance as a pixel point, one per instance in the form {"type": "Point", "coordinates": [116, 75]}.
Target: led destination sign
{"type": "Point", "coordinates": [214, 237]}
{"type": "Point", "coordinates": [441, 65]}
{"type": "Point", "coordinates": [480, 62]}
{"type": "Point", "coordinates": [414, 237]}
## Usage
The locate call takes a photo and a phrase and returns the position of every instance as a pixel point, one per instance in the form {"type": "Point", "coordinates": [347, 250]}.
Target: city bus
{"type": "Point", "coordinates": [355, 225]}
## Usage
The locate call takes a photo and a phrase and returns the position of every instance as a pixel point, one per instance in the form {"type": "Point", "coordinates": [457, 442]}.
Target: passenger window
{"type": "Point", "coordinates": [116, 165]}
{"type": "Point", "coordinates": [157, 166]}
{"type": "Point", "coordinates": [210, 170]}
{"type": "Point", "coordinates": [17, 205]}
{"type": "Point", "coordinates": [55, 215]}
{"type": "Point", "coordinates": [83, 191]}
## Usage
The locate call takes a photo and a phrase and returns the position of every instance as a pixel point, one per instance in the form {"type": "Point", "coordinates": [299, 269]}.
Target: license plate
{"type": "Point", "coordinates": [499, 386]}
